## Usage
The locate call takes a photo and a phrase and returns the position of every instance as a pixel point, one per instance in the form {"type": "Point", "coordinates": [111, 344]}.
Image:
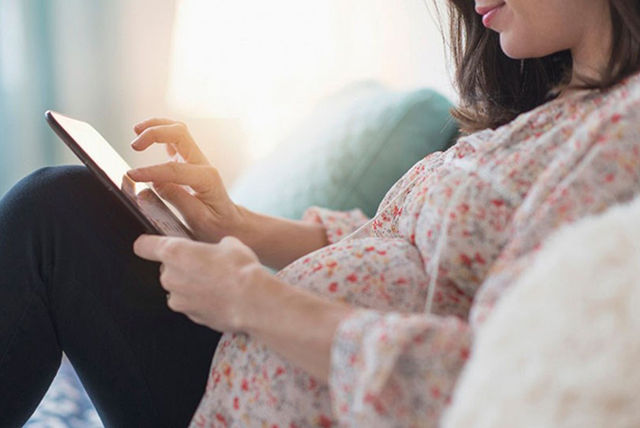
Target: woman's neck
{"type": "Point", "coordinates": [591, 54]}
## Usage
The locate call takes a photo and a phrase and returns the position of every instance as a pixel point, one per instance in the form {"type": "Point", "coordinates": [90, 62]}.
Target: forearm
{"type": "Point", "coordinates": [278, 241]}
{"type": "Point", "coordinates": [297, 324]}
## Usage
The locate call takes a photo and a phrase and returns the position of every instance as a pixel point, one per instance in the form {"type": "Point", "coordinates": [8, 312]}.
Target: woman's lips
{"type": "Point", "coordinates": [489, 12]}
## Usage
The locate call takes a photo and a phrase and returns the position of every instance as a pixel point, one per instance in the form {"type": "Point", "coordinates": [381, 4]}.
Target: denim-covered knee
{"type": "Point", "coordinates": [68, 202]}
{"type": "Point", "coordinates": [58, 180]}
{"type": "Point", "coordinates": [40, 191]}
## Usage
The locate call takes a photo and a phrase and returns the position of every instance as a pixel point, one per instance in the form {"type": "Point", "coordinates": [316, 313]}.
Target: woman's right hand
{"type": "Point", "coordinates": [188, 181]}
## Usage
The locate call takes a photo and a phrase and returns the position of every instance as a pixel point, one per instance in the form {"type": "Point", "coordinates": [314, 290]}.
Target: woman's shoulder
{"type": "Point", "coordinates": [614, 117]}
{"type": "Point", "coordinates": [618, 104]}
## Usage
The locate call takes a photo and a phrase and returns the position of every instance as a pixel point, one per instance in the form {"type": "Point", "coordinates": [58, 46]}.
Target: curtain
{"type": "Point", "coordinates": [77, 57]}
{"type": "Point", "coordinates": [26, 65]}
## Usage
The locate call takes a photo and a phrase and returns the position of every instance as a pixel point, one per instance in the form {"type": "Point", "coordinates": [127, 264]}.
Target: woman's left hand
{"type": "Point", "coordinates": [209, 283]}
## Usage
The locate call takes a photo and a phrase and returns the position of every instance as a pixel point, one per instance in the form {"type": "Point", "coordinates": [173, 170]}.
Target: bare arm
{"type": "Point", "coordinates": [224, 287]}
{"type": "Point", "coordinates": [295, 323]}
{"type": "Point", "coordinates": [209, 211]}
{"type": "Point", "coordinates": [279, 241]}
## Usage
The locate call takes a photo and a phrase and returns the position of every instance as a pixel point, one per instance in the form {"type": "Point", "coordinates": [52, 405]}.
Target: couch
{"type": "Point", "coordinates": [345, 154]}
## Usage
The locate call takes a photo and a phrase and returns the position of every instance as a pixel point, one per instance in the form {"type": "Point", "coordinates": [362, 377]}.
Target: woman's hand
{"type": "Point", "coordinates": [208, 210]}
{"type": "Point", "coordinates": [223, 287]}
{"type": "Point", "coordinates": [194, 187]}
{"type": "Point", "coordinates": [210, 283]}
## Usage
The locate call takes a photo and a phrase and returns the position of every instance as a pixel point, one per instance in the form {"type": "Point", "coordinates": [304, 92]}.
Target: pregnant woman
{"type": "Point", "coordinates": [367, 322]}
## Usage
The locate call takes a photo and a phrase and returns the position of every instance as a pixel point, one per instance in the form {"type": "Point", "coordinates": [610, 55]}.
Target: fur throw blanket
{"type": "Point", "coordinates": [562, 347]}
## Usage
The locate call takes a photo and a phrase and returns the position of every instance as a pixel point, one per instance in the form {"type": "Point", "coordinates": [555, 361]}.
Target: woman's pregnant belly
{"type": "Point", "coordinates": [251, 386]}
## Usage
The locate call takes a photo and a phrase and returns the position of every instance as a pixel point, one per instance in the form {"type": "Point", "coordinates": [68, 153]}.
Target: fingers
{"type": "Point", "coordinates": [141, 126]}
{"type": "Point", "coordinates": [179, 197]}
{"type": "Point", "coordinates": [171, 150]}
{"type": "Point", "coordinates": [171, 281]}
{"type": "Point", "coordinates": [171, 251]}
{"type": "Point", "coordinates": [151, 247]}
{"type": "Point", "coordinates": [176, 302]}
{"type": "Point", "coordinates": [204, 179]}
{"type": "Point", "coordinates": [175, 134]}
{"type": "Point", "coordinates": [154, 121]}
{"type": "Point", "coordinates": [179, 259]}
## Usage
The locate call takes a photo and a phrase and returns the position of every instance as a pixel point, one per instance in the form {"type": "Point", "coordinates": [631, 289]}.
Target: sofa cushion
{"type": "Point", "coordinates": [349, 151]}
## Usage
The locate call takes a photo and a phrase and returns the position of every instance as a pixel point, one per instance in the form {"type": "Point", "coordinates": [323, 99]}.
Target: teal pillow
{"type": "Point", "coordinates": [348, 152]}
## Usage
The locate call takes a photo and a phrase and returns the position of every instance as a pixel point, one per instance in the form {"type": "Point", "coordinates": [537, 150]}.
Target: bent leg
{"type": "Point", "coordinates": [69, 281]}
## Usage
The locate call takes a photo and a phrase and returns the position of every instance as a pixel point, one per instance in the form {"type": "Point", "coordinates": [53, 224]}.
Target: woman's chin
{"type": "Point", "coordinates": [521, 48]}
{"type": "Point", "coordinates": [514, 49]}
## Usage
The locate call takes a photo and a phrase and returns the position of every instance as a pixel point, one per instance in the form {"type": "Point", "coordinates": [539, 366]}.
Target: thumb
{"type": "Point", "coordinates": [179, 197]}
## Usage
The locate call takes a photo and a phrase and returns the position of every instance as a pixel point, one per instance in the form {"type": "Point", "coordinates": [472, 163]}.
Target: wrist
{"type": "Point", "coordinates": [256, 287]}
{"type": "Point", "coordinates": [269, 301]}
{"type": "Point", "coordinates": [244, 225]}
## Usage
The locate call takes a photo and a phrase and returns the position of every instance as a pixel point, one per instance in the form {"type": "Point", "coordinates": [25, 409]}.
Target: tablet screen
{"type": "Point", "coordinates": [101, 155]}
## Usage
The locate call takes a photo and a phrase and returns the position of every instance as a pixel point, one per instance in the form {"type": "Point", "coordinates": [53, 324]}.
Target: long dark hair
{"type": "Point", "coordinates": [494, 88]}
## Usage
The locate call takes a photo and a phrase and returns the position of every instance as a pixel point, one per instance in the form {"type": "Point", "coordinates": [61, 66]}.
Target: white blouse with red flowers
{"type": "Point", "coordinates": [449, 237]}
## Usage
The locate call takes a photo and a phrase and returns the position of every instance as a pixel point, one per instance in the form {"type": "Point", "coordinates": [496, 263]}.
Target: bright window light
{"type": "Point", "coordinates": [267, 61]}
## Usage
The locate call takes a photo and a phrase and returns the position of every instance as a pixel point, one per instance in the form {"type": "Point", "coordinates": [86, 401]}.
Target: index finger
{"type": "Point", "coordinates": [154, 121]}
{"type": "Point", "coordinates": [175, 134]}
{"type": "Point", "coordinates": [153, 247]}
{"type": "Point", "coordinates": [201, 178]}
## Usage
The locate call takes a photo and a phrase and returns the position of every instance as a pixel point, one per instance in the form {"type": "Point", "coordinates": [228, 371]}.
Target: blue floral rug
{"type": "Point", "coordinates": [66, 404]}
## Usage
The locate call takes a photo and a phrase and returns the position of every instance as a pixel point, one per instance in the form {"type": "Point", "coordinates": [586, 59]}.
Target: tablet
{"type": "Point", "coordinates": [106, 164]}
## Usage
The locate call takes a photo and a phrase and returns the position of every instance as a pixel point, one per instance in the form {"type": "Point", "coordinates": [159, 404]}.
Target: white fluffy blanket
{"type": "Point", "coordinates": [562, 347]}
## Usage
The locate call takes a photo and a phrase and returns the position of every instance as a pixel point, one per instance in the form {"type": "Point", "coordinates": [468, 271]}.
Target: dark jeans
{"type": "Point", "coordinates": [69, 281]}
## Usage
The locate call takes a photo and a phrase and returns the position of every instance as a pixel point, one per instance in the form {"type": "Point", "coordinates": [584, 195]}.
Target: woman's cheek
{"type": "Point", "coordinates": [533, 29]}
{"type": "Point", "coordinates": [517, 37]}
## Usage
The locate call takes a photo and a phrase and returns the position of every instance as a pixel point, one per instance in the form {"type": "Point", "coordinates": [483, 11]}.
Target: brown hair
{"type": "Point", "coordinates": [494, 88]}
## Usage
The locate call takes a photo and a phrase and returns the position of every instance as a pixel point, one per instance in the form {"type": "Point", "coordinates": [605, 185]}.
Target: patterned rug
{"type": "Point", "coordinates": [66, 404]}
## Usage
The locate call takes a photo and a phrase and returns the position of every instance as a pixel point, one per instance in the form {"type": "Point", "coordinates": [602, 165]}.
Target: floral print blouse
{"type": "Point", "coordinates": [447, 240]}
